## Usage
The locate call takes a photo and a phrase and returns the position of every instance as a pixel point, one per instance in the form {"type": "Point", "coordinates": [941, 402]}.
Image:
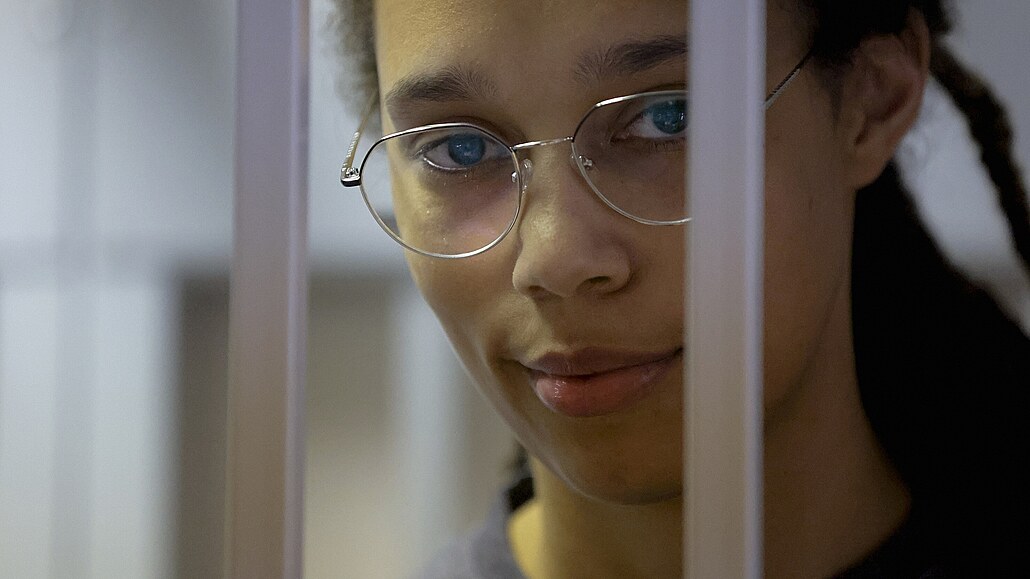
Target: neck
{"type": "Point", "coordinates": [578, 536]}
{"type": "Point", "coordinates": [831, 495]}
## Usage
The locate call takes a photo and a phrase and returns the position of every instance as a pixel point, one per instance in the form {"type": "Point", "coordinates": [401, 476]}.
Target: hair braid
{"type": "Point", "coordinates": [990, 126]}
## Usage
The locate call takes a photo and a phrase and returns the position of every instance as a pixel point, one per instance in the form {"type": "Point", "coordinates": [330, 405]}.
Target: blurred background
{"type": "Point", "coordinates": [116, 184]}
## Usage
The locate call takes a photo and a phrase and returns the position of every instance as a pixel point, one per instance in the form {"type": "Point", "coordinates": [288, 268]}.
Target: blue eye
{"type": "Point", "coordinates": [461, 151]}
{"type": "Point", "coordinates": [656, 122]}
{"type": "Point", "coordinates": [466, 150]}
{"type": "Point", "coordinates": [668, 117]}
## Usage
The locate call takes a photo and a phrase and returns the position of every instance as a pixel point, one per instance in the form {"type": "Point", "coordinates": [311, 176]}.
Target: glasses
{"type": "Point", "coordinates": [454, 190]}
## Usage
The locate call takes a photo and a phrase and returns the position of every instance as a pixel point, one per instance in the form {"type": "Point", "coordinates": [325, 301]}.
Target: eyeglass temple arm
{"type": "Point", "coordinates": [775, 94]}
{"type": "Point", "coordinates": [349, 176]}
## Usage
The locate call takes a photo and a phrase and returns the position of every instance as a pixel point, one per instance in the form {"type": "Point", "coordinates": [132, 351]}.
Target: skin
{"type": "Point", "coordinates": [575, 274]}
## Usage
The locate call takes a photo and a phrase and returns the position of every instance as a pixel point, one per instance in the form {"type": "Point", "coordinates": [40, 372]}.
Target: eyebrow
{"type": "Point", "coordinates": [461, 83]}
{"type": "Point", "coordinates": [453, 83]}
{"type": "Point", "coordinates": [629, 58]}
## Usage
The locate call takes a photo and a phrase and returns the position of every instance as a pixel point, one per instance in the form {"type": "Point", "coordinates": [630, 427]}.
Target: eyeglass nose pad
{"type": "Point", "coordinates": [526, 169]}
{"type": "Point", "coordinates": [585, 162]}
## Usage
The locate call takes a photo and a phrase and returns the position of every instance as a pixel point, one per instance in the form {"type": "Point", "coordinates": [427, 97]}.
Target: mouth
{"type": "Point", "coordinates": [597, 382]}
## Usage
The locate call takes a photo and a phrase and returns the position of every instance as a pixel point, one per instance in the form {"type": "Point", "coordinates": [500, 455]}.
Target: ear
{"type": "Point", "coordinates": [881, 98]}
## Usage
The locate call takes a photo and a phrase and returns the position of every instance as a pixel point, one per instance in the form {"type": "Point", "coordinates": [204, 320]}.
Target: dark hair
{"type": "Point", "coordinates": [354, 26]}
{"type": "Point", "coordinates": [944, 373]}
{"type": "Point", "coordinates": [839, 27]}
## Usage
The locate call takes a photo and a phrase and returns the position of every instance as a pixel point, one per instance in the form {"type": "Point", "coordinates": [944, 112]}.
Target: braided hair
{"type": "Point", "coordinates": [838, 27]}
{"type": "Point", "coordinates": [944, 374]}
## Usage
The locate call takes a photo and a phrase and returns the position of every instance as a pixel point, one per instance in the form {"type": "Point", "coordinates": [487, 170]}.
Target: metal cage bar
{"type": "Point", "coordinates": [723, 386]}
{"type": "Point", "coordinates": [268, 305]}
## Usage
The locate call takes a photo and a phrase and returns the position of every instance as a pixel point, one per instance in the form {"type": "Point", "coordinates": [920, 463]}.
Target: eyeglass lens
{"type": "Point", "coordinates": [454, 190]}
{"type": "Point", "coordinates": [633, 154]}
{"type": "Point", "coordinates": [446, 191]}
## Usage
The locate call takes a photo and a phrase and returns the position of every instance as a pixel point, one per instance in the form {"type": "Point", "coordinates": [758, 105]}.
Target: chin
{"type": "Point", "coordinates": [634, 458]}
{"type": "Point", "coordinates": [614, 489]}
{"type": "Point", "coordinates": [623, 479]}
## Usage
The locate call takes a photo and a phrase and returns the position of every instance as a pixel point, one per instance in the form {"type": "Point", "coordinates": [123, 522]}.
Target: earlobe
{"type": "Point", "coordinates": [881, 98]}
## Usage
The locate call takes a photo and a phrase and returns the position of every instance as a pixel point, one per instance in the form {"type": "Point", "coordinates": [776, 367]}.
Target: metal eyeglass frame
{"type": "Point", "coordinates": [350, 176]}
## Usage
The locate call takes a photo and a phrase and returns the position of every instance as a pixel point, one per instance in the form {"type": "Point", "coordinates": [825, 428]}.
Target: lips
{"type": "Point", "coordinates": [597, 382]}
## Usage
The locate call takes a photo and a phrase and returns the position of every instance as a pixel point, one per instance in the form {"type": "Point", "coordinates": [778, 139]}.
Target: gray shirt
{"type": "Point", "coordinates": [485, 552]}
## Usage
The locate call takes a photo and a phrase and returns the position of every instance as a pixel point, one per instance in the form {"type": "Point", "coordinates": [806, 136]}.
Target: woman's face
{"type": "Point", "coordinates": [577, 289]}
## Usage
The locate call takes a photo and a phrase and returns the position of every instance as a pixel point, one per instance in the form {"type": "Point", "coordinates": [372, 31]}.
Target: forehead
{"type": "Point", "coordinates": [515, 44]}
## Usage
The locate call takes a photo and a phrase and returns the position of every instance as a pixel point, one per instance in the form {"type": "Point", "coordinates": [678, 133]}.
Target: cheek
{"type": "Point", "coordinates": [809, 216]}
{"type": "Point", "coordinates": [447, 286]}
{"type": "Point", "coordinates": [476, 305]}
{"type": "Point", "coordinates": [466, 295]}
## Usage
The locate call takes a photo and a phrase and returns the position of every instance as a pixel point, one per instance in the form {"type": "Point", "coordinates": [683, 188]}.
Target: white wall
{"type": "Point", "coordinates": [115, 173]}
{"type": "Point", "coordinates": [991, 35]}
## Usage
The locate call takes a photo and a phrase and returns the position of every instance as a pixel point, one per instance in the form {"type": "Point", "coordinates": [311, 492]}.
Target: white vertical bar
{"type": "Point", "coordinates": [723, 422]}
{"type": "Point", "coordinates": [268, 308]}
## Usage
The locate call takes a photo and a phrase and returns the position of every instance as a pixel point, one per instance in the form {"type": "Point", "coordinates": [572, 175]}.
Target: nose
{"type": "Point", "coordinates": [570, 243]}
